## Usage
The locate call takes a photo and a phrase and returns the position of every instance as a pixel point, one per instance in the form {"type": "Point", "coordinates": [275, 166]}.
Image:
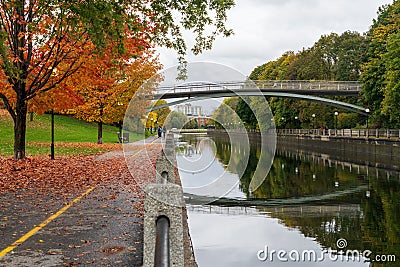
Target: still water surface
{"type": "Point", "coordinates": [309, 207]}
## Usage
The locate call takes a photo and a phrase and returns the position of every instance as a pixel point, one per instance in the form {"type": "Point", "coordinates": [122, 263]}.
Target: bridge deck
{"type": "Point", "coordinates": [195, 89]}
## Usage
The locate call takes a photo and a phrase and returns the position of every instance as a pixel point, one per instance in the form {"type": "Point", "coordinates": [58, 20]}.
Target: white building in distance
{"type": "Point", "coordinates": [190, 111]}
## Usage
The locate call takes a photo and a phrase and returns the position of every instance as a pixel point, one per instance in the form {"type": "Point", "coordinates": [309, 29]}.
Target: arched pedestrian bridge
{"type": "Point", "coordinates": [303, 90]}
{"type": "Point", "coordinates": [318, 88]}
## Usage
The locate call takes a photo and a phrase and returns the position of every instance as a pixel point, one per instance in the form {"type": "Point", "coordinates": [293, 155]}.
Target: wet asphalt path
{"type": "Point", "coordinates": [102, 229]}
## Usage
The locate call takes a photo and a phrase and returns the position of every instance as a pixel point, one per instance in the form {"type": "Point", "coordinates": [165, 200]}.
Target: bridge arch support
{"type": "Point", "coordinates": [326, 101]}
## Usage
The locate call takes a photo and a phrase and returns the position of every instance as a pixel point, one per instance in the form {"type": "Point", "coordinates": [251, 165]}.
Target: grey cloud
{"type": "Point", "coordinates": [264, 29]}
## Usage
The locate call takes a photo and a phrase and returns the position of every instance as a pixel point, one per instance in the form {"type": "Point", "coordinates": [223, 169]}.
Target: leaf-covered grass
{"type": "Point", "coordinates": [72, 136]}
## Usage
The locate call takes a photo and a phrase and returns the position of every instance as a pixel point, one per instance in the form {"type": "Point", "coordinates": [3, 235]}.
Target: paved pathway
{"type": "Point", "coordinates": [103, 228]}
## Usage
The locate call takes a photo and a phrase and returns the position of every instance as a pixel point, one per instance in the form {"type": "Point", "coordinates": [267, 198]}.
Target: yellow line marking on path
{"type": "Point", "coordinates": [144, 144]}
{"type": "Point", "coordinates": [43, 224]}
{"type": "Point", "coordinates": [51, 218]}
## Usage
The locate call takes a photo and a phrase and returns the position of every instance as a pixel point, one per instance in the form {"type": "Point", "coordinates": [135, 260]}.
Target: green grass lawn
{"type": "Point", "coordinates": [67, 130]}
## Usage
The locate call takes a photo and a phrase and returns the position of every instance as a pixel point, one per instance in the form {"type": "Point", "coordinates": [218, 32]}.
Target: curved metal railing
{"type": "Point", "coordinates": [262, 84]}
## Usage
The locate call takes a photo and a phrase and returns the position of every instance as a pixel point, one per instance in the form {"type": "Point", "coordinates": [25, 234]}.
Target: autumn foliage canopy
{"type": "Point", "coordinates": [43, 43]}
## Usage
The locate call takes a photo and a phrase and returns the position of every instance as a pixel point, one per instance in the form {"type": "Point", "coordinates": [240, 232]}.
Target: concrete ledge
{"type": "Point", "coordinates": [164, 164]}
{"type": "Point", "coordinates": [167, 200]}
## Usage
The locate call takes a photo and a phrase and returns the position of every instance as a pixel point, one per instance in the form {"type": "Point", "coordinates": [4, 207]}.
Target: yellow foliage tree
{"type": "Point", "coordinates": [107, 83]}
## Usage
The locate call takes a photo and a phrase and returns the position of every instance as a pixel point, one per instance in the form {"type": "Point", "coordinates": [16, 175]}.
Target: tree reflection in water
{"type": "Point", "coordinates": [365, 211]}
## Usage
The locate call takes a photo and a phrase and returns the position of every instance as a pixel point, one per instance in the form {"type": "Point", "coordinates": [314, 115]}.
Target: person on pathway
{"type": "Point", "coordinates": [159, 132]}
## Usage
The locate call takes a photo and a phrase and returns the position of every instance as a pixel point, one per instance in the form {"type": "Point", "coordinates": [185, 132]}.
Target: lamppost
{"type": "Point", "coordinates": [119, 104]}
{"type": "Point", "coordinates": [314, 123]}
{"type": "Point", "coordinates": [52, 135]}
{"type": "Point", "coordinates": [283, 121]}
{"type": "Point", "coordinates": [296, 122]}
{"type": "Point", "coordinates": [336, 114]}
{"type": "Point", "coordinates": [151, 125]}
{"type": "Point", "coordinates": [367, 111]}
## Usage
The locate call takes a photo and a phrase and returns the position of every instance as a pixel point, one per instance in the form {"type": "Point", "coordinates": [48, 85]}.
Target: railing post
{"type": "Point", "coordinates": [161, 255]}
{"type": "Point", "coordinates": [163, 200]}
{"type": "Point", "coordinates": [165, 169]}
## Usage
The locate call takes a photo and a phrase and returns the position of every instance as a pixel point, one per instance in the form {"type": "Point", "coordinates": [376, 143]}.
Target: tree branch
{"type": "Point", "coordinates": [8, 106]}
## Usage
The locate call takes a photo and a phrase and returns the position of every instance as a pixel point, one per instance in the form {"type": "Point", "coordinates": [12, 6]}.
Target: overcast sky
{"type": "Point", "coordinates": [265, 29]}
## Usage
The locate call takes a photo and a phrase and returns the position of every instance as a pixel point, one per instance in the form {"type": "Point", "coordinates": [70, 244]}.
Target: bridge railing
{"type": "Point", "coordinates": [377, 133]}
{"type": "Point", "coordinates": [310, 85]}
{"type": "Point", "coordinates": [262, 84]}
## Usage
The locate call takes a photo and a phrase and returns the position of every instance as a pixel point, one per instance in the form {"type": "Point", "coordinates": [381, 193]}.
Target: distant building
{"type": "Point", "coordinates": [190, 110]}
{"type": "Point", "coordinates": [194, 113]}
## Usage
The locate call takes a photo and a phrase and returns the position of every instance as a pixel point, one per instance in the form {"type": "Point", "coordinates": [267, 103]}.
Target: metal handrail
{"type": "Point", "coordinates": [161, 255]}
{"type": "Point", "coordinates": [263, 84]}
{"type": "Point", "coordinates": [164, 175]}
{"type": "Point", "coordinates": [377, 133]}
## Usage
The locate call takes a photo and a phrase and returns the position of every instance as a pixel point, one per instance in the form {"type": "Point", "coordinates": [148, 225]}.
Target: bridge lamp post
{"type": "Point", "coordinates": [367, 110]}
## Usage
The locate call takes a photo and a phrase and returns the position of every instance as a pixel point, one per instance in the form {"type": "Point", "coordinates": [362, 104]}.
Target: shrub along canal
{"type": "Point", "coordinates": [311, 209]}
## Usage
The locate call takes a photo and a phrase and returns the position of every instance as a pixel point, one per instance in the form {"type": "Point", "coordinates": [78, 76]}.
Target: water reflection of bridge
{"type": "Point", "coordinates": [327, 161]}
{"type": "Point", "coordinates": [289, 211]}
{"type": "Point", "coordinates": [304, 200]}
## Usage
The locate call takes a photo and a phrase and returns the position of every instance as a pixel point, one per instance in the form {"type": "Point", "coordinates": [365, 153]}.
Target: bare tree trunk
{"type": "Point", "coordinates": [20, 129]}
{"type": "Point", "coordinates": [100, 132]}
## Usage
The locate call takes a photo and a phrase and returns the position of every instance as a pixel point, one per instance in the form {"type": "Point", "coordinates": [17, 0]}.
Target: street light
{"type": "Point", "coordinates": [336, 114]}
{"type": "Point", "coordinates": [367, 110]}
{"type": "Point", "coordinates": [313, 115]}
{"type": "Point", "coordinates": [52, 135]}
{"type": "Point", "coordinates": [296, 121]}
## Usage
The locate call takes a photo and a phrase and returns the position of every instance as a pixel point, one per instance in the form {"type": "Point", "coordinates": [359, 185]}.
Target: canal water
{"type": "Point", "coordinates": [310, 210]}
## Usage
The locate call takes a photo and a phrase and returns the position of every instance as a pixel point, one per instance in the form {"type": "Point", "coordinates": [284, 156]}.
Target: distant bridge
{"type": "Point", "coordinates": [304, 90]}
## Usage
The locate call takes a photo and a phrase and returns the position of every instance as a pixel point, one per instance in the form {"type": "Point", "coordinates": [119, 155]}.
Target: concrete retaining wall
{"type": "Point", "coordinates": [165, 198]}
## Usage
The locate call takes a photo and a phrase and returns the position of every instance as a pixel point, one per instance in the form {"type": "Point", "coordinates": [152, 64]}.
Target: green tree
{"type": "Point", "coordinates": [175, 120]}
{"type": "Point", "coordinates": [256, 73]}
{"type": "Point", "coordinates": [351, 49]}
{"type": "Point", "coordinates": [277, 69]}
{"type": "Point", "coordinates": [391, 101]}
{"type": "Point", "coordinates": [225, 113]}
{"type": "Point", "coordinates": [162, 113]}
{"type": "Point", "coordinates": [374, 73]}
{"type": "Point", "coordinates": [332, 57]}
{"type": "Point", "coordinates": [246, 113]}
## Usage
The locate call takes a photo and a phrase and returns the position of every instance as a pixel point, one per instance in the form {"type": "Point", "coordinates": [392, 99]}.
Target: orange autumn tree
{"type": "Point", "coordinates": [43, 42]}
{"type": "Point", "coordinates": [62, 97]}
{"type": "Point", "coordinates": [107, 82]}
